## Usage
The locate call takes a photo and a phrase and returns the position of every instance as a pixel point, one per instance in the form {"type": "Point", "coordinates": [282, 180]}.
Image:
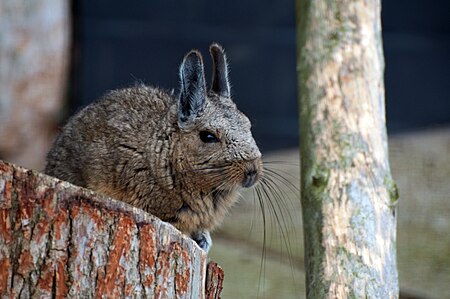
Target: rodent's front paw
{"type": "Point", "coordinates": [203, 239]}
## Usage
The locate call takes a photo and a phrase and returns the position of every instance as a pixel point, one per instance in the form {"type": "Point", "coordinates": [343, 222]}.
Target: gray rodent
{"type": "Point", "coordinates": [182, 158]}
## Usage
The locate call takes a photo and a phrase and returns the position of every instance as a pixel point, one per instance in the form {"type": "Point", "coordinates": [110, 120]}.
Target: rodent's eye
{"type": "Point", "coordinates": [208, 137]}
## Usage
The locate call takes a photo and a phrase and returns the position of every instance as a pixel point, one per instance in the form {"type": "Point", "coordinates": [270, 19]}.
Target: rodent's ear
{"type": "Point", "coordinates": [220, 83]}
{"type": "Point", "coordinates": [193, 88]}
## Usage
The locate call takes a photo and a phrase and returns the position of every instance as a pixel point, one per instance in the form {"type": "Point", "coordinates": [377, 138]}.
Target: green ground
{"type": "Point", "coordinates": [420, 164]}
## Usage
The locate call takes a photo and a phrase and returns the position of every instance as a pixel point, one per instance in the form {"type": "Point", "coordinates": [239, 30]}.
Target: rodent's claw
{"type": "Point", "coordinates": [203, 239]}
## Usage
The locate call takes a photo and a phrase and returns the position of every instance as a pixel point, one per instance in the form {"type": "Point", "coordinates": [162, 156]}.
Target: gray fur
{"type": "Point", "coordinates": [141, 146]}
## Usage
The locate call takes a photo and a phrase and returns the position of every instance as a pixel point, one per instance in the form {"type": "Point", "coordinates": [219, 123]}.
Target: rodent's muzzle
{"type": "Point", "coordinates": [252, 173]}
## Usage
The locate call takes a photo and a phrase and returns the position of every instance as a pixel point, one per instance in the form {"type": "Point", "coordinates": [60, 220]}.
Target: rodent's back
{"type": "Point", "coordinates": [106, 134]}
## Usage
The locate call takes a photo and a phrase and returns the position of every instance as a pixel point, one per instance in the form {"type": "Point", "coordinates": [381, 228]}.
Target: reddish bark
{"type": "Point", "coordinates": [214, 279]}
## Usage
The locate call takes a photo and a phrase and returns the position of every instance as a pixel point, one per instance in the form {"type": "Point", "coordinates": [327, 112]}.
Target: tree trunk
{"type": "Point", "coordinates": [58, 240]}
{"type": "Point", "coordinates": [348, 195]}
{"type": "Point", "coordinates": [34, 55]}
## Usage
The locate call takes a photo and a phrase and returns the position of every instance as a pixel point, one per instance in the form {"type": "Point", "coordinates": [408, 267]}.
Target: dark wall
{"type": "Point", "coordinates": [417, 51]}
{"type": "Point", "coordinates": [119, 44]}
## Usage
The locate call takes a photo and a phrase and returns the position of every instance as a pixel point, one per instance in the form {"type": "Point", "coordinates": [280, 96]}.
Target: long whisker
{"type": "Point", "coordinates": [283, 211]}
{"type": "Point", "coordinates": [272, 193]}
{"type": "Point", "coordinates": [284, 180]}
{"type": "Point", "coordinates": [213, 171]}
{"type": "Point", "coordinates": [288, 163]}
{"type": "Point", "coordinates": [281, 195]}
{"type": "Point", "coordinates": [263, 253]}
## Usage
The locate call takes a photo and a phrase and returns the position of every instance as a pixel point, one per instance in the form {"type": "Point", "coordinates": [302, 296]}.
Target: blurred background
{"type": "Point", "coordinates": [57, 56]}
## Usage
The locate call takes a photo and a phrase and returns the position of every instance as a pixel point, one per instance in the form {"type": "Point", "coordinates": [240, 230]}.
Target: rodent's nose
{"type": "Point", "coordinates": [250, 178]}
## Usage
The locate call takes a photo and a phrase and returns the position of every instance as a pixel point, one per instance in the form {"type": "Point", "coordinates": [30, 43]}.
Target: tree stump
{"type": "Point", "coordinates": [58, 240]}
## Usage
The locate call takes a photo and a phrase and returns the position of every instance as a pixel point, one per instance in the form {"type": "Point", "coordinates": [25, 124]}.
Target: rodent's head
{"type": "Point", "coordinates": [219, 151]}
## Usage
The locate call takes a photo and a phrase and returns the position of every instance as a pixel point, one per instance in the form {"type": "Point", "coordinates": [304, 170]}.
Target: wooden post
{"type": "Point", "coordinates": [348, 195]}
{"type": "Point", "coordinates": [58, 240]}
